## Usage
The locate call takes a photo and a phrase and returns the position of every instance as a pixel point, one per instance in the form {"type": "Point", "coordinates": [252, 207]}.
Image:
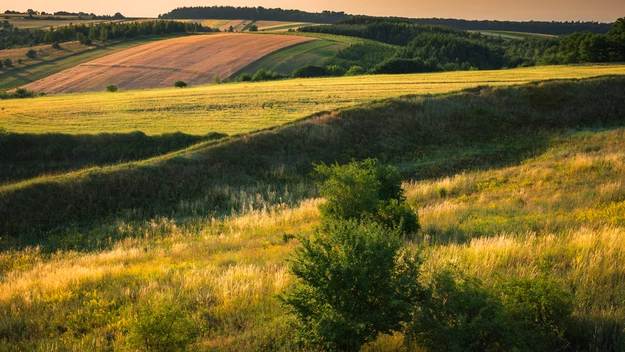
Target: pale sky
{"type": "Point", "coordinates": [539, 10]}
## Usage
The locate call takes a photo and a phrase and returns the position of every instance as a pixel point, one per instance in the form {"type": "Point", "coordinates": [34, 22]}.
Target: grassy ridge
{"type": "Point", "coordinates": [241, 108]}
{"type": "Point", "coordinates": [498, 121]}
{"type": "Point", "coordinates": [546, 198]}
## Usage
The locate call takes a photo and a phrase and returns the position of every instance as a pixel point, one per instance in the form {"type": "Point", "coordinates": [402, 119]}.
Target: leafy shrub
{"type": "Point", "coordinates": [261, 75]}
{"type": "Point", "coordinates": [541, 308]}
{"type": "Point", "coordinates": [83, 39]}
{"type": "Point", "coordinates": [355, 71]}
{"type": "Point", "coordinates": [8, 62]}
{"type": "Point", "coordinates": [245, 77]}
{"type": "Point", "coordinates": [180, 84]}
{"type": "Point", "coordinates": [20, 93]}
{"type": "Point", "coordinates": [460, 317]}
{"type": "Point", "coordinates": [365, 190]}
{"type": "Point", "coordinates": [335, 70]}
{"type": "Point", "coordinates": [354, 283]}
{"type": "Point", "coordinates": [253, 28]}
{"type": "Point", "coordinates": [398, 66]}
{"type": "Point", "coordinates": [112, 88]}
{"type": "Point", "coordinates": [459, 314]}
{"type": "Point", "coordinates": [56, 45]}
{"type": "Point", "coordinates": [31, 54]}
{"type": "Point", "coordinates": [161, 328]}
{"type": "Point", "coordinates": [310, 71]}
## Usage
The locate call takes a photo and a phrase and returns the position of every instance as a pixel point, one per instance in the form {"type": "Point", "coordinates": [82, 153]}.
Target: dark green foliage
{"type": "Point", "coordinates": [354, 283]}
{"type": "Point", "coordinates": [56, 45]}
{"type": "Point", "coordinates": [87, 33]}
{"type": "Point", "coordinates": [541, 309]}
{"type": "Point", "coordinates": [161, 327]}
{"type": "Point", "coordinates": [521, 315]}
{"type": "Point", "coordinates": [253, 28]}
{"type": "Point", "coordinates": [31, 54]}
{"type": "Point", "coordinates": [8, 63]}
{"type": "Point", "coordinates": [180, 84]}
{"type": "Point", "coordinates": [399, 66]}
{"type": "Point", "coordinates": [365, 55]}
{"type": "Point", "coordinates": [366, 190]}
{"type": "Point", "coordinates": [335, 70]}
{"type": "Point", "coordinates": [264, 75]}
{"type": "Point", "coordinates": [253, 14]}
{"type": "Point", "coordinates": [20, 93]}
{"type": "Point", "coordinates": [460, 316]}
{"type": "Point", "coordinates": [112, 88]}
{"type": "Point", "coordinates": [310, 71]}
{"type": "Point", "coordinates": [245, 77]}
{"type": "Point", "coordinates": [355, 71]}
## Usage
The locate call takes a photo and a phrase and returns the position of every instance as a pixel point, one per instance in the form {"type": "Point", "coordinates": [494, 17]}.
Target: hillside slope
{"type": "Point", "coordinates": [195, 60]}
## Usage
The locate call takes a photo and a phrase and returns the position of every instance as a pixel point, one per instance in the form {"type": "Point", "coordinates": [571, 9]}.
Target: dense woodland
{"type": "Point", "coordinates": [426, 48]}
{"type": "Point", "coordinates": [254, 13]}
{"type": "Point", "coordinates": [328, 17]}
{"type": "Point", "coordinates": [15, 37]}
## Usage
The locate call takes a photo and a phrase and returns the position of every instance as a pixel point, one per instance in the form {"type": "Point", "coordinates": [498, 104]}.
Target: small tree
{"type": "Point", "coordinates": [253, 28]}
{"type": "Point", "coordinates": [353, 283]}
{"type": "Point", "coordinates": [216, 80]}
{"type": "Point", "coordinates": [365, 190]}
{"type": "Point", "coordinates": [31, 54]}
{"type": "Point", "coordinates": [245, 77]}
{"type": "Point", "coordinates": [56, 45]}
{"type": "Point", "coordinates": [336, 70]}
{"type": "Point", "coordinates": [231, 29]}
{"type": "Point", "coordinates": [180, 84]}
{"type": "Point", "coordinates": [355, 71]}
{"type": "Point", "coordinates": [112, 88]}
{"type": "Point", "coordinates": [8, 62]}
{"type": "Point", "coordinates": [310, 71]}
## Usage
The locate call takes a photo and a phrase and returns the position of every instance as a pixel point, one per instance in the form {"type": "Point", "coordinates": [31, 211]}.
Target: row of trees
{"type": "Point", "coordinates": [95, 32]}
{"type": "Point", "coordinates": [356, 279]}
{"type": "Point", "coordinates": [435, 48]}
{"type": "Point", "coordinates": [254, 14]}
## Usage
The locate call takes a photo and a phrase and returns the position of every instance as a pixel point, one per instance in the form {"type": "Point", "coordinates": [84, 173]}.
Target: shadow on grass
{"type": "Point", "coordinates": [25, 156]}
{"type": "Point", "coordinates": [429, 136]}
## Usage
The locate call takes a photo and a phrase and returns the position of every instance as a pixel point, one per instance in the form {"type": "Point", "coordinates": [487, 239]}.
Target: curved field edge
{"type": "Point", "coordinates": [286, 60]}
{"type": "Point", "coordinates": [246, 107]}
{"type": "Point", "coordinates": [393, 130]}
{"type": "Point", "coordinates": [30, 73]}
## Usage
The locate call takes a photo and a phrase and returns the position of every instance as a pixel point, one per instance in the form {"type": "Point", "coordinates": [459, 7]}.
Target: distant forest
{"type": "Point", "coordinates": [327, 17]}
{"type": "Point", "coordinates": [254, 13]}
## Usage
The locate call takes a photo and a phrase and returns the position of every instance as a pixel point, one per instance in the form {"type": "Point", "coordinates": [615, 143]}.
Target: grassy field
{"type": "Point", "coordinates": [508, 182]}
{"type": "Point", "coordinates": [513, 35]}
{"type": "Point", "coordinates": [285, 61]}
{"type": "Point", "coordinates": [70, 55]}
{"type": "Point", "coordinates": [195, 60]}
{"type": "Point", "coordinates": [241, 108]}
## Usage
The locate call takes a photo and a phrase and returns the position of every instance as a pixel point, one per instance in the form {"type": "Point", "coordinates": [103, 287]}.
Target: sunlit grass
{"type": "Point", "coordinates": [245, 107]}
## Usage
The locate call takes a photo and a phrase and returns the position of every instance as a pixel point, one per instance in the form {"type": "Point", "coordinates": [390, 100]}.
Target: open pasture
{"type": "Point", "coordinates": [194, 59]}
{"type": "Point", "coordinates": [245, 107]}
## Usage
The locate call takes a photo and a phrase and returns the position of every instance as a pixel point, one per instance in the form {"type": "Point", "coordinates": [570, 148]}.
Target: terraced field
{"type": "Point", "coordinates": [244, 107]}
{"type": "Point", "coordinates": [194, 59]}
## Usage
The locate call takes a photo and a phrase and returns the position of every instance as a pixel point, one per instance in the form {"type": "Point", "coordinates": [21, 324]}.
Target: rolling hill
{"type": "Point", "coordinates": [194, 59]}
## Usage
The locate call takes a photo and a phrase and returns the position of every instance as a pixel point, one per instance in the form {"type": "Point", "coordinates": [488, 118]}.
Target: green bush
{"type": "Point", "coordinates": [253, 28]}
{"type": "Point", "coordinates": [8, 63]}
{"type": "Point", "coordinates": [112, 88]}
{"type": "Point", "coordinates": [459, 317]}
{"type": "Point", "coordinates": [245, 77]}
{"type": "Point", "coordinates": [180, 84]}
{"type": "Point", "coordinates": [365, 190]}
{"type": "Point", "coordinates": [31, 54]}
{"type": "Point", "coordinates": [355, 71]}
{"type": "Point", "coordinates": [56, 45]}
{"type": "Point", "coordinates": [541, 308]}
{"type": "Point", "coordinates": [335, 71]}
{"type": "Point", "coordinates": [161, 328]}
{"type": "Point", "coordinates": [353, 283]}
{"type": "Point", "coordinates": [310, 71]}
{"type": "Point", "coordinates": [261, 75]}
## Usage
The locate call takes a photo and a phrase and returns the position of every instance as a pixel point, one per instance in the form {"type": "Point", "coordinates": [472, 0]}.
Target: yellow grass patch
{"type": "Point", "coordinates": [195, 60]}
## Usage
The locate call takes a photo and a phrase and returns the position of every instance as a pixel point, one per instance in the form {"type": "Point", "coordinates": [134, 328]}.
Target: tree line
{"type": "Point", "coordinates": [253, 13]}
{"type": "Point", "coordinates": [427, 48]}
{"type": "Point", "coordinates": [87, 33]}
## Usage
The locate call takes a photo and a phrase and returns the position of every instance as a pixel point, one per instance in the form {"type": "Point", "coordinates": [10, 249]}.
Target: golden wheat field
{"type": "Point", "coordinates": [244, 107]}
{"type": "Point", "coordinates": [195, 60]}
